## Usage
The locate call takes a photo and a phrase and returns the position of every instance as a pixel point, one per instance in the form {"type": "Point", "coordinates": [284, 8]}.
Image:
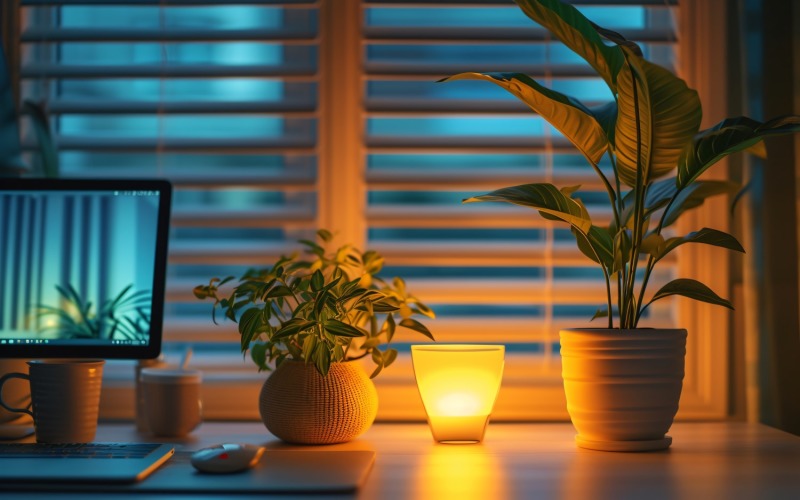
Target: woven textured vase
{"type": "Point", "coordinates": [298, 405]}
{"type": "Point", "coordinates": [623, 386]}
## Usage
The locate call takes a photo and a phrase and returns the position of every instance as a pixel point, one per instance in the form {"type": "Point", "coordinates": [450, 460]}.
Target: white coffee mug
{"type": "Point", "coordinates": [65, 397]}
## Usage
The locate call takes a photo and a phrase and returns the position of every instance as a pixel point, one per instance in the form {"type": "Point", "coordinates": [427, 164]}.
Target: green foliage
{"type": "Point", "coordinates": [649, 130]}
{"type": "Point", "coordinates": [125, 317]}
{"type": "Point", "coordinates": [320, 308]}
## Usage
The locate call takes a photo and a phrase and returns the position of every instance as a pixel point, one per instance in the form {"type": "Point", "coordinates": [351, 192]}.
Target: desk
{"type": "Point", "coordinates": [706, 461]}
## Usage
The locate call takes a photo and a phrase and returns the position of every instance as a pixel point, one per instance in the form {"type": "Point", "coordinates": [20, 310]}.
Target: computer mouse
{"type": "Point", "coordinates": [226, 458]}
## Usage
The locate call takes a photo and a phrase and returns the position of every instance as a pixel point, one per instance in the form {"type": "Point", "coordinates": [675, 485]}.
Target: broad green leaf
{"type": "Point", "coordinates": [617, 38]}
{"type": "Point", "coordinates": [250, 322]}
{"type": "Point", "coordinates": [669, 115]}
{"type": "Point", "coordinates": [695, 195]}
{"type": "Point", "coordinates": [317, 280]}
{"type": "Point", "coordinates": [309, 345]}
{"type": "Point", "coordinates": [386, 305]}
{"type": "Point", "coordinates": [325, 235]}
{"type": "Point", "coordinates": [729, 136]}
{"type": "Point", "coordinates": [341, 329]}
{"type": "Point", "coordinates": [622, 249]}
{"type": "Point", "coordinates": [662, 191]}
{"type": "Point", "coordinates": [291, 327]}
{"type": "Point", "coordinates": [546, 198]}
{"type": "Point", "coordinates": [422, 308]}
{"type": "Point", "coordinates": [332, 284]}
{"type": "Point", "coordinates": [598, 245]}
{"type": "Point", "coordinates": [389, 327]}
{"type": "Point", "coordinates": [567, 24]}
{"type": "Point", "coordinates": [653, 244]}
{"type": "Point", "coordinates": [338, 353]}
{"type": "Point", "coordinates": [566, 114]}
{"type": "Point", "coordinates": [258, 353]}
{"type": "Point", "coordinates": [692, 289]}
{"type": "Point", "coordinates": [377, 371]}
{"type": "Point", "coordinates": [707, 236]}
{"type": "Point", "coordinates": [321, 303]}
{"type": "Point", "coordinates": [322, 359]}
{"type": "Point", "coordinates": [606, 116]}
{"type": "Point", "coordinates": [377, 356]}
{"type": "Point", "coordinates": [279, 291]}
{"type": "Point", "coordinates": [415, 325]}
{"type": "Point", "coordinates": [389, 356]}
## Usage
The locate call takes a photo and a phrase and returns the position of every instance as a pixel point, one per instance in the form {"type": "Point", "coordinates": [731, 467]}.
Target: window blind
{"type": "Point", "coordinates": [224, 100]}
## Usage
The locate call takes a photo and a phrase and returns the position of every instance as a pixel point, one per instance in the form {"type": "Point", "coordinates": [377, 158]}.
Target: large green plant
{"type": "Point", "coordinates": [321, 308]}
{"type": "Point", "coordinates": [649, 130]}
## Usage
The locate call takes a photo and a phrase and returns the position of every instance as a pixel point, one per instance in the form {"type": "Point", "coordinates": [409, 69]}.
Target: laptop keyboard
{"type": "Point", "coordinates": [76, 450]}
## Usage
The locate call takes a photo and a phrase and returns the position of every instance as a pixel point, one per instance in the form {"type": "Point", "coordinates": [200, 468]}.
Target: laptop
{"type": "Point", "coordinates": [98, 246]}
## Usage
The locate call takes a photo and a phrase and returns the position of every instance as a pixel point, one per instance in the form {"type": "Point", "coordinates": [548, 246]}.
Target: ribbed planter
{"type": "Point", "coordinates": [623, 386]}
{"type": "Point", "coordinates": [299, 405]}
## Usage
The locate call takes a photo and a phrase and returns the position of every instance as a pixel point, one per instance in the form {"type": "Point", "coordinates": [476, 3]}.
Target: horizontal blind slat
{"type": "Point", "coordinates": [261, 217]}
{"type": "Point", "coordinates": [417, 71]}
{"type": "Point", "coordinates": [235, 146]}
{"type": "Point", "coordinates": [43, 70]}
{"type": "Point", "coordinates": [377, 107]}
{"type": "Point", "coordinates": [288, 108]}
{"type": "Point", "coordinates": [382, 35]}
{"type": "Point", "coordinates": [432, 180]}
{"type": "Point", "coordinates": [99, 35]}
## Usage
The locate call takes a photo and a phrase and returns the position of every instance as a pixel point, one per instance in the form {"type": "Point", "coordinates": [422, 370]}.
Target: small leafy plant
{"type": "Point", "coordinates": [650, 129]}
{"type": "Point", "coordinates": [320, 308]}
{"type": "Point", "coordinates": [126, 316]}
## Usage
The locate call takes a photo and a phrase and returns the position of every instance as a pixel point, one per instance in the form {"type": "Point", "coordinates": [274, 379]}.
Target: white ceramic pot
{"type": "Point", "coordinates": [299, 405]}
{"type": "Point", "coordinates": [623, 386]}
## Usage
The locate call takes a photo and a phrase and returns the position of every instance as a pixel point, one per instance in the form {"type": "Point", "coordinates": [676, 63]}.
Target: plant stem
{"type": "Point", "coordinates": [621, 273]}
{"type": "Point", "coordinates": [612, 196]}
{"type": "Point", "coordinates": [651, 262]}
{"type": "Point", "coordinates": [638, 208]}
{"type": "Point", "coordinates": [606, 276]}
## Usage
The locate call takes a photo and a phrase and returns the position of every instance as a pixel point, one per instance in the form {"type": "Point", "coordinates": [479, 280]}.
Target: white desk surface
{"type": "Point", "coordinates": [707, 461]}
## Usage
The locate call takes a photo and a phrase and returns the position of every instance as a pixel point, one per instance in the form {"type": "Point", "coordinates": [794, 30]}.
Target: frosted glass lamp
{"type": "Point", "coordinates": [458, 384]}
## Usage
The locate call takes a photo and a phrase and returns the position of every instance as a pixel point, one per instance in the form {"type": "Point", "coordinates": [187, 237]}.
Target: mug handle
{"type": "Point", "coordinates": [3, 379]}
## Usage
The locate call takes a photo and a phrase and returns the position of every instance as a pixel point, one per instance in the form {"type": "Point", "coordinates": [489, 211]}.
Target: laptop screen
{"type": "Point", "coordinates": [82, 267]}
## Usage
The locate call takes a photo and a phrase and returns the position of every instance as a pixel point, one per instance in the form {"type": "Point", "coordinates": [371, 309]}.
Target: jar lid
{"type": "Point", "coordinates": [171, 376]}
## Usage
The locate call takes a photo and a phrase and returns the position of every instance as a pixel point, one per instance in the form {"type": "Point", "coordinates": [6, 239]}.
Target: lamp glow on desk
{"type": "Point", "coordinates": [458, 384]}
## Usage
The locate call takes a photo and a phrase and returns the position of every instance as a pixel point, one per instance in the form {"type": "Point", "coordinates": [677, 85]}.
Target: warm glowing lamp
{"type": "Point", "coordinates": [458, 384]}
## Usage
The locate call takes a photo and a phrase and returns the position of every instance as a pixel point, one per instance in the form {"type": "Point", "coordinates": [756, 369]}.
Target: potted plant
{"type": "Point", "coordinates": [623, 382]}
{"type": "Point", "coordinates": [311, 315]}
